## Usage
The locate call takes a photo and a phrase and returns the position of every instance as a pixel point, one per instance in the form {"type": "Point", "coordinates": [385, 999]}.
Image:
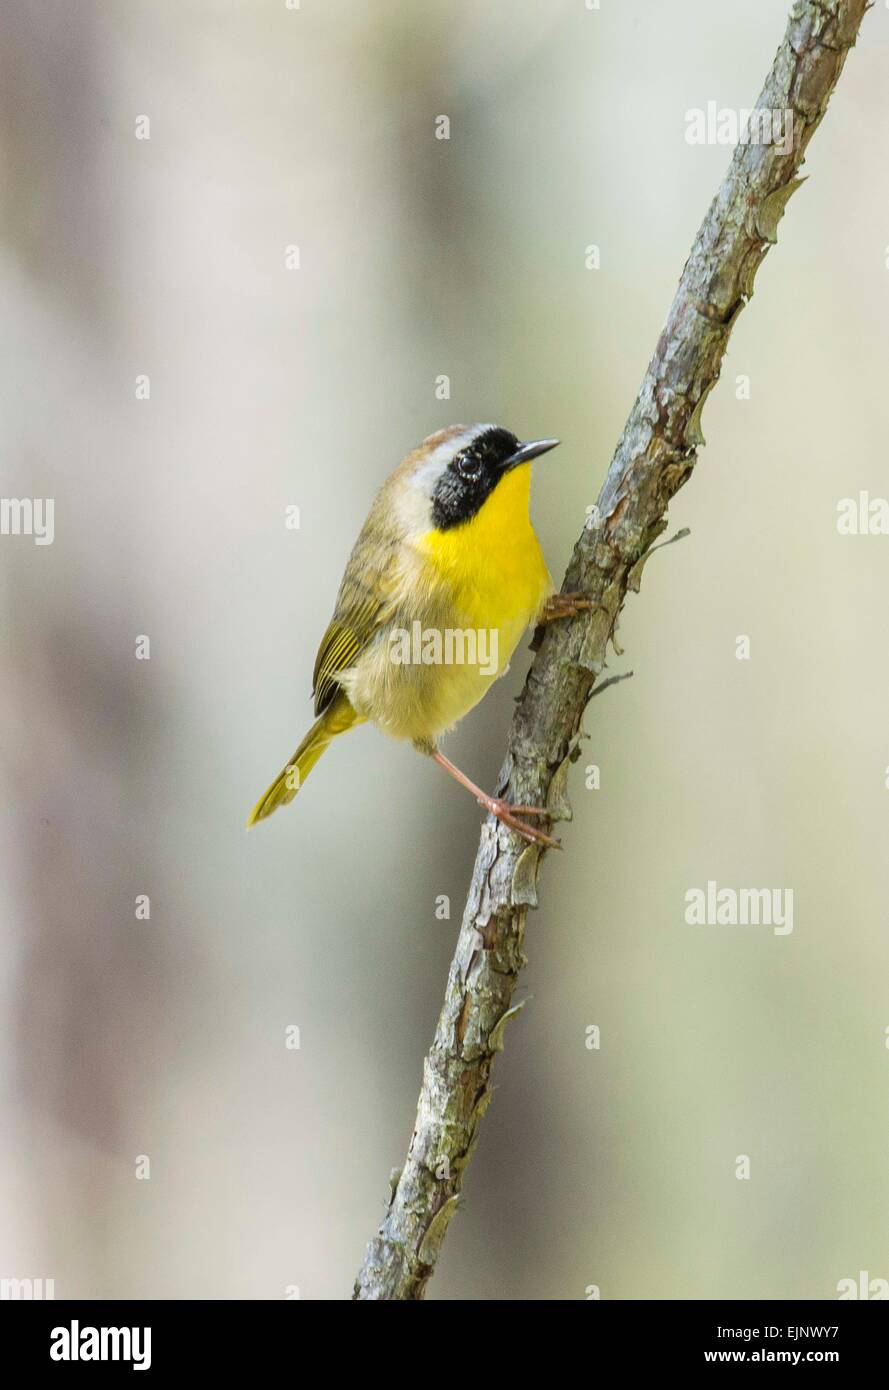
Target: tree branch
{"type": "Point", "coordinates": [655, 456]}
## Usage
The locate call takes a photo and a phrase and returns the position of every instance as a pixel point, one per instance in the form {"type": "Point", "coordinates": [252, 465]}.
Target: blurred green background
{"type": "Point", "coordinates": [271, 387]}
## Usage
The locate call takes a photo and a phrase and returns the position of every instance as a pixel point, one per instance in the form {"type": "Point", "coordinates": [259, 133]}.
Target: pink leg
{"type": "Point", "coordinates": [503, 810]}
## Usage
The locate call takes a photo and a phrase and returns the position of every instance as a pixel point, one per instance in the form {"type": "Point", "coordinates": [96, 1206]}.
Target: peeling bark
{"type": "Point", "coordinates": [654, 457]}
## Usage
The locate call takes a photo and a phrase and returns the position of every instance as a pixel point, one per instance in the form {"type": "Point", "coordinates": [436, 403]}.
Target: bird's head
{"type": "Point", "coordinates": [456, 470]}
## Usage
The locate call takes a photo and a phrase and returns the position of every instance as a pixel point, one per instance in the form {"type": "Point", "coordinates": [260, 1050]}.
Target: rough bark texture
{"type": "Point", "coordinates": [655, 456]}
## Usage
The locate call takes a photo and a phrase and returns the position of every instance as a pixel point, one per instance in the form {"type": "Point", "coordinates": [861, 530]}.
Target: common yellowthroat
{"type": "Point", "coordinates": [444, 578]}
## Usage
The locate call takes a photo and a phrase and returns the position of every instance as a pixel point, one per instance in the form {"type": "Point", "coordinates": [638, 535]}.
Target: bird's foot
{"type": "Point", "coordinates": [568, 606]}
{"type": "Point", "coordinates": [509, 815]}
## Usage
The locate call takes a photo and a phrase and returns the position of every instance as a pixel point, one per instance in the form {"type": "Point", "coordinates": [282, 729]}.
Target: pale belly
{"type": "Point", "coordinates": [417, 682]}
{"type": "Point", "coordinates": [430, 666]}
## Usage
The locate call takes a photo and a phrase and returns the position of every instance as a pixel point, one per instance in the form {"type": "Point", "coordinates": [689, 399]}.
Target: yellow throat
{"type": "Point", "coordinates": [493, 562]}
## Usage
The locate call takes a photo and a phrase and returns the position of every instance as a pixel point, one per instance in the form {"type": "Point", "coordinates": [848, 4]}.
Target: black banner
{"type": "Point", "coordinates": [90, 1338]}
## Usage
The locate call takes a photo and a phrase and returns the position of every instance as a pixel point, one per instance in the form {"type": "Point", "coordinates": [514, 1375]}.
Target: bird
{"type": "Point", "coordinates": [446, 575]}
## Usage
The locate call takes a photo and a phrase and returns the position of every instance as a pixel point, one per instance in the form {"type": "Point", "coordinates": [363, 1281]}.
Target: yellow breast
{"type": "Point", "coordinates": [493, 563]}
{"type": "Point", "coordinates": [480, 584]}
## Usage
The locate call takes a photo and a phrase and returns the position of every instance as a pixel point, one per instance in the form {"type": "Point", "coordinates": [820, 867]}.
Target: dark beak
{"type": "Point", "coordinates": [531, 450]}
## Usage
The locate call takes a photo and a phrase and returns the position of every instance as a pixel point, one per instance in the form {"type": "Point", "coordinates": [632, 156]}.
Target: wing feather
{"type": "Point", "coordinates": [363, 604]}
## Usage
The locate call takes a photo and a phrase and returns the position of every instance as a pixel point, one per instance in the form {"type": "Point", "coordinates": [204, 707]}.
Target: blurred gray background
{"type": "Point", "coordinates": [271, 387]}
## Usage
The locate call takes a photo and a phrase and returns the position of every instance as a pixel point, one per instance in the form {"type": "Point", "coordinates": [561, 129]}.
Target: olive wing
{"type": "Point", "coordinates": [364, 603]}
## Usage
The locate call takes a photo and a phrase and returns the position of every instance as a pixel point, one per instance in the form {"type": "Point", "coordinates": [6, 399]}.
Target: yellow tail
{"type": "Point", "coordinates": [333, 722]}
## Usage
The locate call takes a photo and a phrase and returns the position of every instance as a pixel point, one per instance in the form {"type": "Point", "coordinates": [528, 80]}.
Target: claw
{"type": "Point", "coordinates": [568, 606]}
{"type": "Point", "coordinates": [505, 811]}
{"type": "Point", "coordinates": [508, 815]}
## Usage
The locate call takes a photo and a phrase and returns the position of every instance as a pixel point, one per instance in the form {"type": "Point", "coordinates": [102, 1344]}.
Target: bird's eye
{"type": "Point", "coordinates": [468, 467]}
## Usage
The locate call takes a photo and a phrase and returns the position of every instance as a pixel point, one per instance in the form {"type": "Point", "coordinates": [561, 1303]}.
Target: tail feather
{"type": "Point", "coordinates": [333, 722]}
